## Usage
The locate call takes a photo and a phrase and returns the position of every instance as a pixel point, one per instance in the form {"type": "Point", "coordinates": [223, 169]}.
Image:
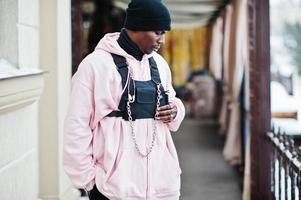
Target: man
{"type": "Point", "coordinates": [117, 142]}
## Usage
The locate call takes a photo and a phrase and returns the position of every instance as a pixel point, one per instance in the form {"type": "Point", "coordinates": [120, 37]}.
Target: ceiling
{"type": "Point", "coordinates": [188, 13]}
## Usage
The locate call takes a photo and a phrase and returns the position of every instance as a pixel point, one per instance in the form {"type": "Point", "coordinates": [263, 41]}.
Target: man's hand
{"type": "Point", "coordinates": [167, 113]}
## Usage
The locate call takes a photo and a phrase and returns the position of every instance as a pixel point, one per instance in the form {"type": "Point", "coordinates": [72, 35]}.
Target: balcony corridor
{"type": "Point", "coordinates": [205, 173]}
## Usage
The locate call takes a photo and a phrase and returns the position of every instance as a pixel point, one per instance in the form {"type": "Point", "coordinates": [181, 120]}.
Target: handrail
{"type": "Point", "coordinates": [285, 165]}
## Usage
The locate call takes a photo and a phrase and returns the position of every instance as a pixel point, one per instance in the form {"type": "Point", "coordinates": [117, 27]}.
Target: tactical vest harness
{"type": "Point", "coordinates": [142, 95]}
{"type": "Point", "coordinates": [140, 99]}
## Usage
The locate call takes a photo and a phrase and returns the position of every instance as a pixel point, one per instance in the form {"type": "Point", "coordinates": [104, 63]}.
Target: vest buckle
{"type": "Point", "coordinates": [131, 98]}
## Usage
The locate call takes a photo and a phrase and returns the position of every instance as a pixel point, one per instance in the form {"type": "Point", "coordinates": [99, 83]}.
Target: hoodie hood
{"type": "Point", "coordinates": [109, 44]}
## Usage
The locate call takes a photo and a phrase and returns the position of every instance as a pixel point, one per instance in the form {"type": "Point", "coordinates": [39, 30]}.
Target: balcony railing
{"type": "Point", "coordinates": [285, 166]}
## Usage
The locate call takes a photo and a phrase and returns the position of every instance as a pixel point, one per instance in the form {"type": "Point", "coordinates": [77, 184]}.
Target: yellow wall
{"type": "Point", "coordinates": [186, 51]}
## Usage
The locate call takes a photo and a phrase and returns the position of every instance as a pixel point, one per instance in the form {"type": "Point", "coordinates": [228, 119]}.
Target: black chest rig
{"type": "Point", "coordinates": [142, 95]}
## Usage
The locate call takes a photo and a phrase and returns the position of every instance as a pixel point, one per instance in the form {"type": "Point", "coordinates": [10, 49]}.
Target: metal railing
{"type": "Point", "coordinates": [285, 166]}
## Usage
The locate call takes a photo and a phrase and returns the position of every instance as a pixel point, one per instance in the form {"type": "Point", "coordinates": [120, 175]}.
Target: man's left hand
{"type": "Point", "coordinates": [167, 113]}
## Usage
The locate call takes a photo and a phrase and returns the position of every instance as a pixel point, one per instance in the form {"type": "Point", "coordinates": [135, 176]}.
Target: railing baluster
{"type": "Point", "coordinates": [279, 165]}
{"type": "Point", "coordinates": [298, 186]}
{"type": "Point", "coordinates": [285, 167]}
{"type": "Point", "coordinates": [292, 174]}
{"type": "Point", "coordinates": [299, 173]}
{"type": "Point", "coordinates": [273, 163]}
{"type": "Point", "coordinates": [294, 186]}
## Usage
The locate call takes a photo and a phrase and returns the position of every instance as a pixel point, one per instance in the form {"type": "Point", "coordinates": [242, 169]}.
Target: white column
{"type": "Point", "coordinates": [55, 45]}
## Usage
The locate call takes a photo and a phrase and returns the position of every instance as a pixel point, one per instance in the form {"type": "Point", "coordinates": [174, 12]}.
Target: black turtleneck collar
{"type": "Point", "coordinates": [129, 46]}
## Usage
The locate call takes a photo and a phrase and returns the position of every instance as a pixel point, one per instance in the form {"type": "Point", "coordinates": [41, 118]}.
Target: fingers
{"type": "Point", "coordinates": [166, 107]}
{"type": "Point", "coordinates": [166, 118]}
{"type": "Point", "coordinates": [166, 113]}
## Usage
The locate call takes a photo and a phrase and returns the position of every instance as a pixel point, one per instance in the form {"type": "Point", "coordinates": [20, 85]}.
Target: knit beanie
{"type": "Point", "coordinates": [147, 15]}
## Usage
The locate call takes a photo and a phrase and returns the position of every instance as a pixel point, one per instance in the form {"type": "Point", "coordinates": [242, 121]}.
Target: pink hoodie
{"type": "Point", "coordinates": [100, 150]}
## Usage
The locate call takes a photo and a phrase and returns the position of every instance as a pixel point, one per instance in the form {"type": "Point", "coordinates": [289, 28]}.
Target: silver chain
{"type": "Point", "coordinates": [149, 150]}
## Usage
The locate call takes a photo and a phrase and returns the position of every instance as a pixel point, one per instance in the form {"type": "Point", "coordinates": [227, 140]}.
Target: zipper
{"type": "Point", "coordinates": [147, 166]}
{"type": "Point", "coordinates": [147, 177]}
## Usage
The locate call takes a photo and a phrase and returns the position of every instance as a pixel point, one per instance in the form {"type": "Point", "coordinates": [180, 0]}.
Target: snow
{"type": "Point", "coordinates": [7, 70]}
{"type": "Point", "coordinates": [281, 101]}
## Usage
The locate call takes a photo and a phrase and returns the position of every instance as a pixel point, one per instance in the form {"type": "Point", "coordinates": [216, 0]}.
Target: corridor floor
{"type": "Point", "coordinates": [205, 173]}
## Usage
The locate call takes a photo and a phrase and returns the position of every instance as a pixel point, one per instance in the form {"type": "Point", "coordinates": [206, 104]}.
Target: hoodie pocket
{"type": "Point", "coordinates": [127, 178]}
{"type": "Point", "coordinates": [166, 172]}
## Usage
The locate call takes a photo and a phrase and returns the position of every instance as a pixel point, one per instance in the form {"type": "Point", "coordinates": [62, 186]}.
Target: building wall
{"type": "Point", "coordinates": [34, 34]}
{"type": "Point", "coordinates": [19, 38]}
{"type": "Point", "coordinates": [19, 163]}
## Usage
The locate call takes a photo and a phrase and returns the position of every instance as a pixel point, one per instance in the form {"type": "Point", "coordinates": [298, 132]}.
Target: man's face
{"type": "Point", "coordinates": [149, 41]}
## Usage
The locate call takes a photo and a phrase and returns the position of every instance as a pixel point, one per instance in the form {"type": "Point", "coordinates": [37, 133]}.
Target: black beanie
{"type": "Point", "coordinates": [147, 15]}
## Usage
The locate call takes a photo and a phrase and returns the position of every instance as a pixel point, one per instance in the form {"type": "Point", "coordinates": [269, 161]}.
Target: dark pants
{"type": "Point", "coordinates": [94, 194]}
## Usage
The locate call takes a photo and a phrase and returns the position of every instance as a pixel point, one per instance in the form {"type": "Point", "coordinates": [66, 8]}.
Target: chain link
{"type": "Point", "coordinates": [154, 134]}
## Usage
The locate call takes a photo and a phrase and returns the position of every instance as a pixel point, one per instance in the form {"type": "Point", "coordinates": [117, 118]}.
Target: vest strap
{"type": "Point", "coordinates": [121, 64]}
{"type": "Point", "coordinates": [154, 70]}
{"type": "Point", "coordinates": [122, 114]}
